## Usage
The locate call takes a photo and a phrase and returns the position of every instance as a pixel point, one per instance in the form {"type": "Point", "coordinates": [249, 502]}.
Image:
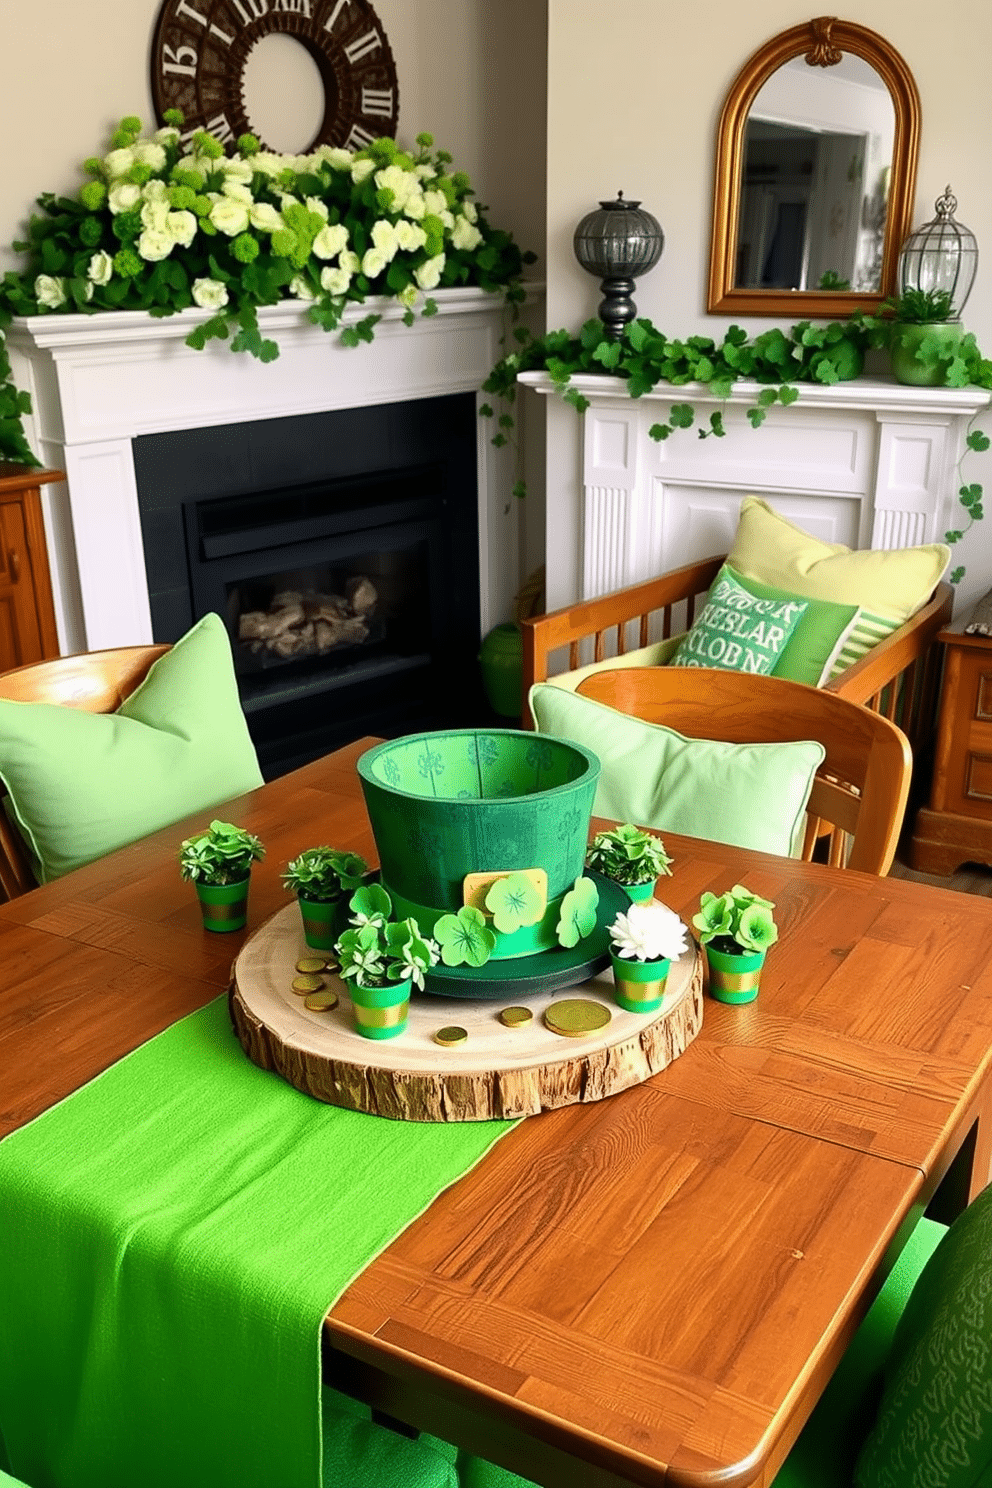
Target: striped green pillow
{"type": "Point", "coordinates": [858, 638]}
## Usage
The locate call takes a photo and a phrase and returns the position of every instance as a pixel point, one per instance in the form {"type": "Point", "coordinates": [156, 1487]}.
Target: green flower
{"type": "Point", "coordinates": [578, 912]}
{"type": "Point", "coordinates": [514, 901]}
{"type": "Point", "coordinates": [90, 231]}
{"type": "Point", "coordinates": [244, 248]}
{"type": "Point", "coordinates": [206, 145]}
{"type": "Point", "coordinates": [740, 916]}
{"type": "Point", "coordinates": [186, 175]}
{"type": "Point", "coordinates": [93, 195]}
{"type": "Point", "coordinates": [756, 929]}
{"type": "Point", "coordinates": [127, 264]}
{"type": "Point", "coordinates": [181, 198]}
{"type": "Point", "coordinates": [248, 145]}
{"type": "Point", "coordinates": [464, 938]}
{"type": "Point", "coordinates": [715, 916]}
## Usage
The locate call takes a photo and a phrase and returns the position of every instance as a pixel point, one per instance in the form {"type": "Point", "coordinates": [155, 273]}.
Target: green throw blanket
{"type": "Point", "coordinates": [171, 1237]}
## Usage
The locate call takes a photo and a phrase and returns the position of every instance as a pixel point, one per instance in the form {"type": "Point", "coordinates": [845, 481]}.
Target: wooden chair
{"type": "Point", "coordinates": [860, 791]}
{"type": "Point", "coordinates": [898, 678]}
{"type": "Point", "coordinates": [96, 681]}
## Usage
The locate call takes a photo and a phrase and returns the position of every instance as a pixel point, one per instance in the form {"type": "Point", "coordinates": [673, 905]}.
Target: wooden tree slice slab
{"type": "Point", "coordinates": [498, 1071]}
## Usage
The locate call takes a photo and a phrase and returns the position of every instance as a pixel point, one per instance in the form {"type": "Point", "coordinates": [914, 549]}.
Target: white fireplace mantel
{"type": "Point", "coordinates": [869, 463]}
{"type": "Point", "coordinates": [98, 381]}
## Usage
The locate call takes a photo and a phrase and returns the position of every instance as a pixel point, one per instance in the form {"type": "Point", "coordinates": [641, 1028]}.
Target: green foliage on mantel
{"type": "Point", "coordinates": [164, 224]}
{"type": "Point", "coordinates": [777, 360]}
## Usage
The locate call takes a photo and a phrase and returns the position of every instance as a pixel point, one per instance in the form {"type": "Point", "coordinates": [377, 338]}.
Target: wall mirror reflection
{"type": "Point", "coordinates": [816, 163]}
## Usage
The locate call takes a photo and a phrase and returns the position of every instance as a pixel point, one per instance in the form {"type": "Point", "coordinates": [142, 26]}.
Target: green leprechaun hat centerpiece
{"type": "Point", "coordinates": [482, 836]}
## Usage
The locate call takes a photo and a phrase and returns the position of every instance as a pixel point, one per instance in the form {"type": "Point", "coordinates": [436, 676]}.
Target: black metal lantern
{"type": "Point", "coordinates": [617, 244]}
{"type": "Point", "coordinates": [940, 255]}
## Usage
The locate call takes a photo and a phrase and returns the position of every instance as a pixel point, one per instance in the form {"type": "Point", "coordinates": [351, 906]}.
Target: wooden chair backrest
{"type": "Point", "coordinates": [860, 791]}
{"type": "Point", "coordinates": [96, 681]}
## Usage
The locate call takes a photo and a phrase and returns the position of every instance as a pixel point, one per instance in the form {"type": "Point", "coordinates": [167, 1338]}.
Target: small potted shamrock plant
{"type": "Point", "coordinates": [218, 864]}
{"type": "Point", "coordinates": [644, 942]}
{"type": "Point", "coordinates": [381, 959]}
{"type": "Point", "coordinates": [323, 879]}
{"type": "Point", "coordinates": [736, 929]}
{"type": "Point", "coordinates": [630, 857]}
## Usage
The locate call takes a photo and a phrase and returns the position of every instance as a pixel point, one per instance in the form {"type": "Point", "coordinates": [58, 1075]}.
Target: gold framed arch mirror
{"type": "Point", "coordinates": [815, 173]}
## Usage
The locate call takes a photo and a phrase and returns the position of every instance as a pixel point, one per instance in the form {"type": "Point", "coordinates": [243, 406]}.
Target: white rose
{"type": "Point", "coordinates": [361, 170]}
{"type": "Point", "coordinates": [400, 182]}
{"type": "Point", "coordinates": [154, 191]}
{"type": "Point", "coordinates": [122, 196]}
{"type": "Point", "coordinates": [49, 291]}
{"type": "Point", "coordinates": [374, 263]}
{"type": "Point", "coordinates": [425, 173]}
{"type": "Point", "coordinates": [237, 170]}
{"type": "Point", "coordinates": [314, 204]}
{"type": "Point", "coordinates": [330, 240]}
{"type": "Point", "coordinates": [334, 281]}
{"type": "Point", "coordinates": [448, 220]}
{"type": "Point", "coordinates": [147, 152]}
{"type": "Point", "coordinates": [267, 164]}
{"type": "Point", "coordinates": [384, 238]}
{"type": "Point", "coordinates": [264, 217]}
{"type": "Point", "coordinates": [230, 217]}
{"type": "Point", "coordinates": [181, 227]}
{"type": "Point", "coordinates": [415, 206]}
{"type": "Point", "coordinates": [167, 135]}
{"type": "Point", "coordinates": [470, 210]}
{"type": "Point", "coordinates": [410, 238]}
{"type": "Point", "coordinates": [87, 291]}
{"type": "Point", "coordinates": [238, 192]}
{"type": "Point", "coordinates": [101, 268]}
{"type": "Point", "coordinates": [428, 276]}
{"type": "Point", "coordinates": [118, 163]}
{"type": "Point", "coordinates": [435, 202]}
{"type": "Point", "coordinates": [154, 215]}
{"type": "Point", "coordinates": [209, 294]}
{"type": "Point", "coordinates": [155, 244]}
{"type": "Point", "coordinates": [301, 288]}
{"type": "Point", "coordinates": [465, 235]}
{"type": "Point", "coordinates": [408, 297]}
{"type": "Point", "coordinates": [349, 261]}
{"type": "Point", "coordinates": [337, 159]}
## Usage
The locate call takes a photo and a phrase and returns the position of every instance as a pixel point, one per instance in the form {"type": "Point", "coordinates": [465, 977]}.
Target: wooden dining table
{"type": "Point", "coordinates": [649, 1289]}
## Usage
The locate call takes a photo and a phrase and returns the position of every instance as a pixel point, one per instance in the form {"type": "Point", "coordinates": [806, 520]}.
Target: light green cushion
{"type": "Point", "coordinates": [82, 784]}
{"type": "Point", "coordinates": [750, 795]}
{"type": "Point", "coordinates": [658, 653]}
{"type": "Point", "coordinates": [737, 631]}
{"type": "Point", "coordinates": [891, 582]}
{"type": "Point", "coordinates": [934, 1424]}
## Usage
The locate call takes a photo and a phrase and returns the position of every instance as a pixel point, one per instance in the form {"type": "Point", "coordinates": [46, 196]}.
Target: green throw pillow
{"type": "Point", "coordinates": [737, 631]}
{"type": "Point", "coordinates": [82, 784]}
{"type": "Point", "coordinates": [934, 1423]}
{"type": "Point", "coordinates": [750, 795]}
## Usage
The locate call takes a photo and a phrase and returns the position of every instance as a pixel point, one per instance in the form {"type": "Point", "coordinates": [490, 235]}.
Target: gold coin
{"type": "Point", "coordinates": [311, 963]}
{"type": "Point", "coordinates": [451, 1035]}
{"type": "Point", "coordinates": [303, 984]}
{"type": "Point", "coordinates": [515, 1017]}
{"type": "Point", "coordinates": [321, 1002]}
{"type": "Point", "coordinates": [575, 1017]}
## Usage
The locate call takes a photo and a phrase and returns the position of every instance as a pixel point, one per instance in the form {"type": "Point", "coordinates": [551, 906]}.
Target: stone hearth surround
{"type": "Point", "coordinates": [98, 381]}
{"type": "Point", "coordinates": [869, 463]}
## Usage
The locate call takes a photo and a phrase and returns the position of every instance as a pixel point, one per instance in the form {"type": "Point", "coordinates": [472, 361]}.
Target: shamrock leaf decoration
{"type": "Point", "coordinates": [370, 905]}
{"type": "Point", "coordinates": [514, 901]}
{"type": "Point", "coordinates": [464, 938]}
{"type": "Point", "coordinates": [578, 912]}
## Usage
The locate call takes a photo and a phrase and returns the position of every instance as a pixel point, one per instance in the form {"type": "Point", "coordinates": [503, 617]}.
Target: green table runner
{"type": "Point", "coordinates": [171, 1237]}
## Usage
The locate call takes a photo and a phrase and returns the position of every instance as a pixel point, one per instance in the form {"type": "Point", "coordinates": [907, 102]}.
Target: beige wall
{"type": "Point", "coordinates": [471, 72]}
{"type": "Point", "coordinates": [633, 105]}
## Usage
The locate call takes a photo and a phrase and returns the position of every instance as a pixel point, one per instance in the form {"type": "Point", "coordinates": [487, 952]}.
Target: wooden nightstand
{"type": "Point", "coordinates": [956, 827]}
{"type": "Point", "coordinates": [27, 612]}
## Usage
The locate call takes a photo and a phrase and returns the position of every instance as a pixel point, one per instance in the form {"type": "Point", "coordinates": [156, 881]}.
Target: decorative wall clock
{"type": "Point", "coordinates": [200, 48]}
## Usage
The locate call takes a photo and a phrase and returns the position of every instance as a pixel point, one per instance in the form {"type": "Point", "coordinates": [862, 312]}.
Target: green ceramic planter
{"type": "Point", "coordinates": [223, 906]}
{"type": "Point", "coordinates": [906, 340]}
{"type": "Point", "coordinates": [444, 805]}
{"type": "Point", "coordinates": [322, 923]}
{"type": "Point", "coordinates": [501, 660]}
{"type": "Point", "coordinates": [640, 985]}
{"type": "Point", "coordinates": [734, 978]}
{"type": "Point", "coordinates": [640, 893]}
{"type": "Point", "coordinates": [381, 1012]}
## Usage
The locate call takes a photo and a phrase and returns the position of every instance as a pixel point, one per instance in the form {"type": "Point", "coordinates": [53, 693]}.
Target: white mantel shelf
{"type": "Point", "coordinates": [98, 381]}
{"type": "Point", "coordinates": [869, 463]}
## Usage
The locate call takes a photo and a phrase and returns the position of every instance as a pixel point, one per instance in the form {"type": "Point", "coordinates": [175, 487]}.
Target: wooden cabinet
{"type": "Point", "coordinates": [27, 613]}
{"type": "Point", "coordinates": [956, 826]}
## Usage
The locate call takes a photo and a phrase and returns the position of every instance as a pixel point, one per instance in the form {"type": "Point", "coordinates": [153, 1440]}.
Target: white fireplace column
{"type": "Point", "coordinates": [869, 463]}
{"type": "Point", "coordinates": [98, 381]}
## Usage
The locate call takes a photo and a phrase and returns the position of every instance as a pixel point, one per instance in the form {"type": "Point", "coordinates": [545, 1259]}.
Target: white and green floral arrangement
{"type": "Point", "coordinates": [648, 932]}
{"type": "Point", "coordinates": [166, 223]}
{"type": "Point", "coordinates": [376, 950]}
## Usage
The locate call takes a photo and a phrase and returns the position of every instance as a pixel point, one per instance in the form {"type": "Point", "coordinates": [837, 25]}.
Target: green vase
{"type": "Point", "coordinates": [223, 906]}
{"type": "Point", "coordinates": [381, 1012]}
{"type": "Point", "coordinates": [501, 660]}
{"type": "Point", "coordinates": [734, 977]}
{"type": "Point", "coordinates": [321, 922]}
{"type": "Point", "coordinates": [905, 343]}
{"type": "Point", "coordinates": [640, 985]}
{"type": "Point", "coordinates": [640, 893]}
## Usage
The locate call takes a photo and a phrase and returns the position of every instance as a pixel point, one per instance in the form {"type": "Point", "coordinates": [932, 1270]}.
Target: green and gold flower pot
{"type": "Point", "coordinates": [640, 893]}
{"type": "Point", "coordinates": [640, 985]}
{"type": "Point", "coordinates": [322, 922]}
{"type": "Point", "coordinates": [381, 1012]}
{"type": "Point", "coordinates": [223, 906]}
{"type": "Point", "coordinates": [734, 977]}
